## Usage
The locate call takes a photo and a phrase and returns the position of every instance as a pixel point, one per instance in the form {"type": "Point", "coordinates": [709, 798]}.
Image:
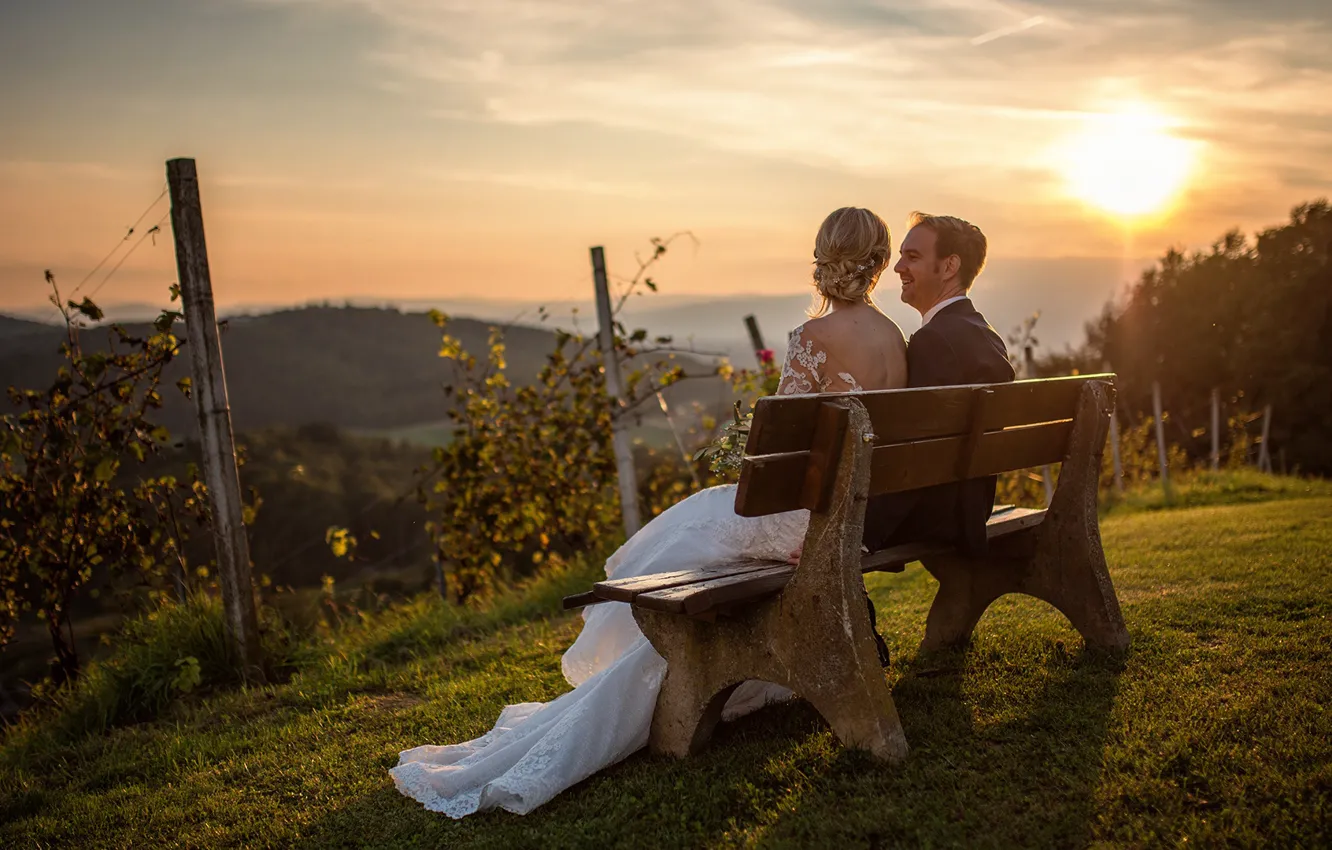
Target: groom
{"type": "Point", "coordinates": [940, 259]}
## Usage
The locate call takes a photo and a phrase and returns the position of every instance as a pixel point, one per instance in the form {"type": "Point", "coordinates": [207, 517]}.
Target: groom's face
{"type": "Point", "coordinates": [920, 269]}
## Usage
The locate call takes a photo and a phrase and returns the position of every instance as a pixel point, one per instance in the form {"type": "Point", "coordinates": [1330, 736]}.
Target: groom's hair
{"type": "Point", "coordinates": [953, 235]}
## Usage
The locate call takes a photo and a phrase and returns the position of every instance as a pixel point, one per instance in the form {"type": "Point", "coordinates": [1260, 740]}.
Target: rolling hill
{"type": "Point", "coordinates": [368, 369]}
{"type": "Point", "coordinates": [11, 327]}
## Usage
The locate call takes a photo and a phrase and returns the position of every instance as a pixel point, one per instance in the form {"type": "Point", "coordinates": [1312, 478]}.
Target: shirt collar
{"type": "Point", "coordinates": [934, 311]}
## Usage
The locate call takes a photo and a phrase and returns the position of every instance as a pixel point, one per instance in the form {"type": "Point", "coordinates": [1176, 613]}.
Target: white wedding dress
{"type": "Point", "coordinates": [537, 750]}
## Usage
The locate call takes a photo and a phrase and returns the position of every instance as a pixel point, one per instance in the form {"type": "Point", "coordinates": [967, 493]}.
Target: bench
{"type": "Point", "coordinates": [807, 627]}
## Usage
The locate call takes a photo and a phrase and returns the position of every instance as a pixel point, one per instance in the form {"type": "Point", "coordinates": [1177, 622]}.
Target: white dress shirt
{"type": "Point", "coordinates": [934, 311]}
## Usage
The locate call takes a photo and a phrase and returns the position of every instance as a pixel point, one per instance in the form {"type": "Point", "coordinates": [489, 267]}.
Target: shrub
{"type": "Point", "coordinates": [169, 652]}
{"type": "Point", "coordinates": [428, 624]}
{"type": "Point", "coordinates": [68, 512]}
{"type": "Point", "coordinates": [530, 470]}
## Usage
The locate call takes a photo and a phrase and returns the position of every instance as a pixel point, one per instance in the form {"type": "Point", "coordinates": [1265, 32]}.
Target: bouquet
{"type": "Point", "coordinates": [727, 449]}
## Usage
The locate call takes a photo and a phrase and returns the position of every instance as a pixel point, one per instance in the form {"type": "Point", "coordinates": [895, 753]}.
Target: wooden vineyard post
{"type": "Point", "coordinates": [624, 452]}
{"type": "Point", "coordinates": [755, 338]}
{"type": "Point", "coordinates": [1114, 452]}
{"type": "Point", "coordinates": [1047, 472]}
{"type": "Point", "coordinates": [1117, 465]}
{"type": "Point", "coordinates": [1160, 439]}
{"type": "Point", "coordinates": [210, 397]}
{"type": "Point", "coordinates": [1216, 429]}
{"type": "Point", "coordinates": [1264, 454]}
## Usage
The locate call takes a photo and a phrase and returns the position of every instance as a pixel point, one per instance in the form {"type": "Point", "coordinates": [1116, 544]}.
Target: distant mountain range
{"type": "Point", "coordinates": [368, 369]}
{"type": "Point", "coordinates": [1066, 291]}
{"type": "Point", "coordinates": [372, 365]}
{"type": "Point", "coordinates": [10, 326]}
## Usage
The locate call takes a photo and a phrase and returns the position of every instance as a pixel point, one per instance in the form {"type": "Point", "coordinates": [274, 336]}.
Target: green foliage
{"type": "Point", "coordinates": [1250, 317]}
{"type": "Point", "coordinates": [665, 476]}
{"type": "Point", "coordinates": [530, 469]}
{"type": "Point", "coordinates": [341, 542]}
{"type": "Point", "coordinates": [724, 454]}
{"type": "Point", "coordinates": [1140, 468]}
{"type": "Point", "coordinates": [525, 469]}
{"type": "Point", "coordinates": [159, 656]}
{"type": "Point", "coordinates": [427, 625]}
{"type": "Point", "coordinates": [1202, 487]}
{"type": "Point", "coordinates": [188, 674]}
{"type": "Point", "coordinates": [315, 477]}
{"type": "Point", "coordinates": [69, 511]}
{"type": "Point", "coordinates": [311, 477]}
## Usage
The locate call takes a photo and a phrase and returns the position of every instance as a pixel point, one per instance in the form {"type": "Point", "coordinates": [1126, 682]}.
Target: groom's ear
{"type": "Point", "coordinates": [952, 265]}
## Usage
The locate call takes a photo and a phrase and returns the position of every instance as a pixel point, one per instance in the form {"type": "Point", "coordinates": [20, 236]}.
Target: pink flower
{"type": "Point", "coordinates": [765, 355]}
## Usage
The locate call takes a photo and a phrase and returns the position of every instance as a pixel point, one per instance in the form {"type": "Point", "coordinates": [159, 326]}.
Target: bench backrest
{"type": "Point", "coordinates": [922, 437]}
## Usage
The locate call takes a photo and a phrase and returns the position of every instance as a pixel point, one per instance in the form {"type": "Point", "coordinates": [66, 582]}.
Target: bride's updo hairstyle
{"type": "Point", "coordinates": [850, 253]}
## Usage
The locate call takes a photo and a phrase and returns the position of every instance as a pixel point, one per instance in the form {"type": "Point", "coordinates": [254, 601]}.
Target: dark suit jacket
{"type": "Point", "coordinates": [957, 347]}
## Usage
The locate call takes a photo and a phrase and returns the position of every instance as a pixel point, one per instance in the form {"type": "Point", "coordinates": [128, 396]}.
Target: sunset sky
{"type": "Point", "coordinates": [423, 149]}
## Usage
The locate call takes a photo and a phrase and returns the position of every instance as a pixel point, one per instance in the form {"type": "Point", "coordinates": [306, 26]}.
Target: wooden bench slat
{"type": "Point", "coordinates": [894, 468]}
{"type": "Point", "coordinates": [1005, 520]}
{"type": "Point", "coordinates": [578, 600]}
{"type": "Point", "coordinates": [1013, 520]}
{"type": "Point", "coordinates": [701, 597]}
{"type": "Point", "coordinates": [629, 589]}
{"type": "Point", "coordinates": [786, 423]}
{"type": "Point", "coordinates": [705, 595]}
{"type": "Point", "coordinates": [625, 589]}
{"type": "Point", "coordinates": [895, 558]}
{"type": "Point", "coordinates": [771, 484]}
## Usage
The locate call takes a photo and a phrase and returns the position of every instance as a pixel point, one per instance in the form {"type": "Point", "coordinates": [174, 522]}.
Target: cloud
{"type": "Point", "coordinates": [748, 75]}
{"type": "Point", "coordinates": [1004, 32]}
{"type": "Point", "coordinates": [861, 87]}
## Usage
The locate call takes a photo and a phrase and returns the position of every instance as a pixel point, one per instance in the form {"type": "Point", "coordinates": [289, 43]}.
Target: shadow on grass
{"type": "Point", "coordinates": [1002, 755]}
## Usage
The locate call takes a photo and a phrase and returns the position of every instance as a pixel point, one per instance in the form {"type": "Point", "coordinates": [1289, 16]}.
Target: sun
{"type": "Point", "coordinates": [1127, 163]}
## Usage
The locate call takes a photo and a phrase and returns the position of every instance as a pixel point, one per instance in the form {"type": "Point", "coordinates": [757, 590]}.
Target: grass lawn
{"type": "Point", "coordinates": [1214, 729]}
{"type": "Point", "coordinates": [1202, 487]}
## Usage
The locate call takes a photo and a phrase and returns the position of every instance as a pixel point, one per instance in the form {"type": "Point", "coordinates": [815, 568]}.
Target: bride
{"type": "Point", "coordinates": [537, 750]}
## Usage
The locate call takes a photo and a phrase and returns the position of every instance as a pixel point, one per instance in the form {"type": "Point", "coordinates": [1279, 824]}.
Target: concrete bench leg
{"type": "Point", "coordinates": [1060, 561]}
{"type": "Point", "coordinates": [826, 626]}
{"type": "Point", "coordinates": [701, 672]}
{"type": "Point", "coordinates": [814, 637]}
{"type": "Point", "coordinates": [1076, 583]}
{"type": "Point", "coordinates": [966, 589]}
{"type": "Point", "coordinates": [810, 648]}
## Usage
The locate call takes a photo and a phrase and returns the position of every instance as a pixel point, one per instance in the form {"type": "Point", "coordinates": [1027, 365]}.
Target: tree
{"type": "Point", "coordinates": [1252, 317]}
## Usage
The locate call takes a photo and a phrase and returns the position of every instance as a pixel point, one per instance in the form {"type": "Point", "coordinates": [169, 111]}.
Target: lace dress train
{"type": "Point", "coordinates": [537, 750]}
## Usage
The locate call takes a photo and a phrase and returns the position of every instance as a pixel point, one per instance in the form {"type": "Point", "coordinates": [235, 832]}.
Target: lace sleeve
{"type": "Point", "coordinates": [800, 373]}
{"type": "Point", "coordinates": [807, 369]}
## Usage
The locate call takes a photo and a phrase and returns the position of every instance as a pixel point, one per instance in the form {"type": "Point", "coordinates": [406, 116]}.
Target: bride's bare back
{"type": "Point", "coordinates": [855, 347]}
